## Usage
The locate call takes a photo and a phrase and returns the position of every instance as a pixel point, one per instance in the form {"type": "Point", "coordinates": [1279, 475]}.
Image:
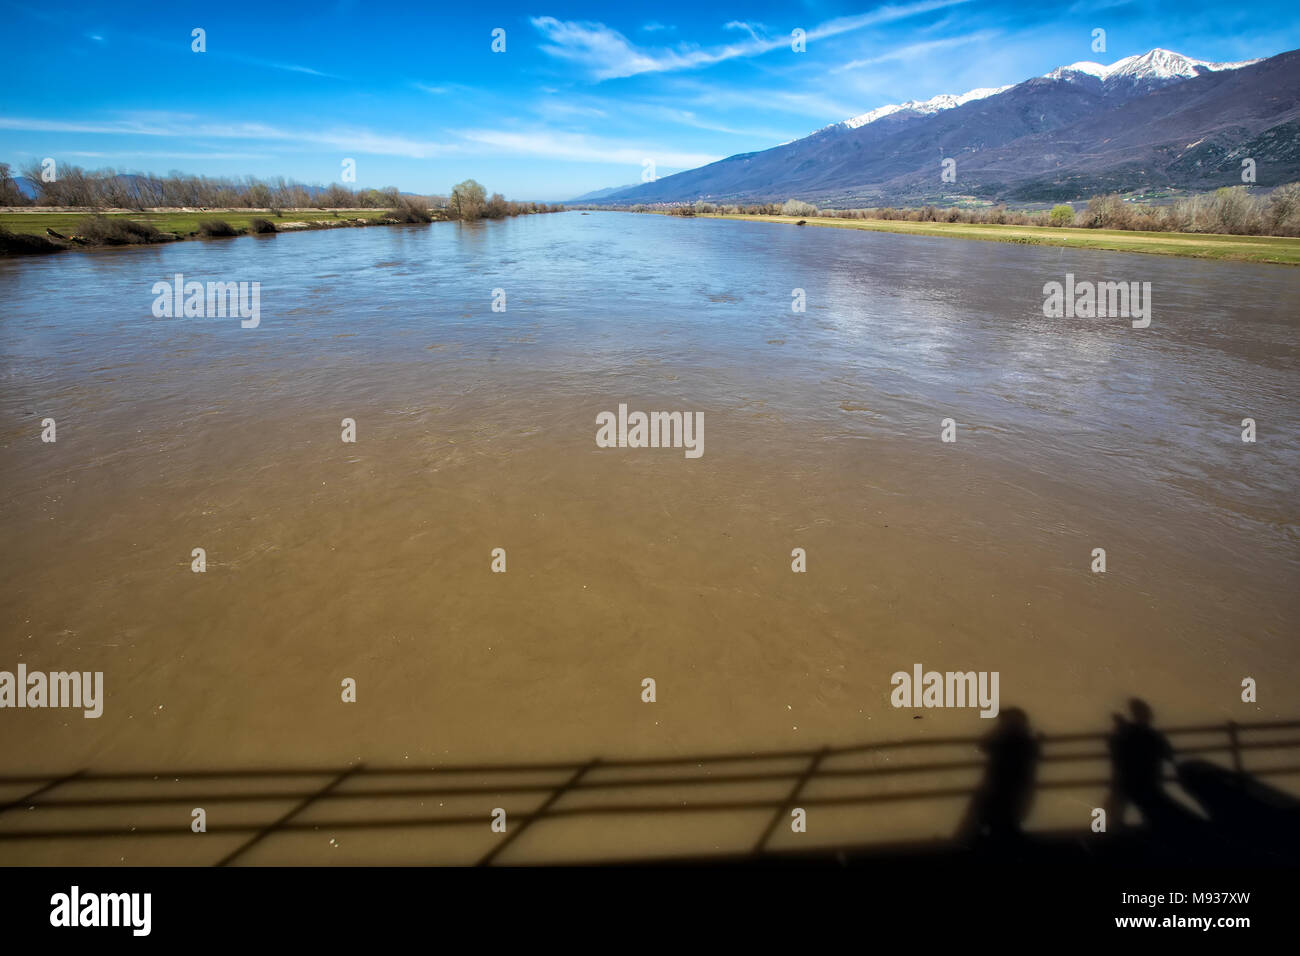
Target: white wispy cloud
{"type": "Point", "coordinates": [803, 104]}
{"type": "Point", "coordinates": [346, 139]}
{"type": "Point", "coordinates": [579, 147]}
{"type": "Point", "coordinates": [553, 108]}
{"type": "Point", "coordinates": [608, 54]}
{"type": "Point", "coordinates": [574, 110]}
{"type": "Point", "coordinates": [681, 117]}
{"type": "Point", "coordinates": [150, 154]}
{"type": "Point", "coordinates": [914, 51]}
{"type": "Point", "coordinates": [1094, 6]}
{"type": "Point", "coordinates": [295, 68]}
{"type": "Point", "coordinates": [539, 142]}
{"type": "Point", "coordinates": [742, 25]}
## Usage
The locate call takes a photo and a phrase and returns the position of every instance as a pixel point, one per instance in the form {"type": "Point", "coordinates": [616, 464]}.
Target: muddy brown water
{"type": "Point", "coordinates": [476, 430]}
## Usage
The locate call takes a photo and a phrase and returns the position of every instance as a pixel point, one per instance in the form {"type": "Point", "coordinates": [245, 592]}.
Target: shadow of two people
{"type": "Point", "coordinates": [1242, 815]}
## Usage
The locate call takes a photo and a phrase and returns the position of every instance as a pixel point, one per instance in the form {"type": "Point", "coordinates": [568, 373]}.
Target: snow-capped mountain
{"type": "Point", "coordinates": [1148, 70]}
{"type": "Point", "coordinates": [1157, 66]}
{"type": "Point", "coordinates": [1156, 120]}
{"type": "Point", "coordinates": [944, 101]}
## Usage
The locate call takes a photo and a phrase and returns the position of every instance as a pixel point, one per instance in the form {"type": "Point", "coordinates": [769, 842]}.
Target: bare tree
{"type": "Point", "coordinates": [10, 194]}
{"type": "Point", "coordinates": [468, 200]}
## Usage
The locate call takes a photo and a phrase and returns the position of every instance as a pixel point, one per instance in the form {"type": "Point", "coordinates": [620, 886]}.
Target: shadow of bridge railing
{"type": "Point", "coordinates": [604, 783]}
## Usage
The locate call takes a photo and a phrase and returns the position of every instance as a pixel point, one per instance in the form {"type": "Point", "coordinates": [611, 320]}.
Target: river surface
{"type": "Point", "coordinates": [476, 430]}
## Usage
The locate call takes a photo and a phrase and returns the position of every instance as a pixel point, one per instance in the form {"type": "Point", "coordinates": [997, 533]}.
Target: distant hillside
{"type": "Point", "coordinates": [600, 194]}
{"type": "Point", "coordinates": [1150, 121]}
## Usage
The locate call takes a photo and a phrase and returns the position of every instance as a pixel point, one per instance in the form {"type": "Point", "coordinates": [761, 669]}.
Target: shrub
{"type": "Point", "coordinates": [1061, 215]}
{"type": "Point", "coordinates": [1232, 210]}
{"type": "Point", "coordinates": [1283, 211]}
{"type": "Point", "coordinates": [1107, 212]}
{"type": "Point", "coordinates": [218, 229]}
{"type": "Point", "coordinates": [261, 227]}
{"type": "Point", "coordinates": [1149, 219]}
{"type": "Point", "coordinates": [1177, 218]}
{"type": "Point", "coordinates": [796, 207]}
{"type": "Point", "coordinates": [118, 231]}
{"type": "Point", "coordinates": [411, 209]}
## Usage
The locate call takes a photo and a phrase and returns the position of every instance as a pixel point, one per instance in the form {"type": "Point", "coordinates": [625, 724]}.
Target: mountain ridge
{"type": "Point", "coordinates": [1053, 137]}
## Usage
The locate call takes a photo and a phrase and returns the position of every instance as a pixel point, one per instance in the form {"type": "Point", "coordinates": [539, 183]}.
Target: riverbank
{"type": "Point", "coordinates": [27, 232]}
{"type": "Point", "coordinates": [33, 232]}
{"type": "Point", "coordinates": [1270, 249]}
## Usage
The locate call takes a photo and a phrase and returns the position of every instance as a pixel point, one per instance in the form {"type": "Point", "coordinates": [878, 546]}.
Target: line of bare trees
{"type": "Point", "coordinates": [1234, 210]}
{"type": "Point", "coordinates": [109, 189]}
{"type": "Point", "coordinates": [469, 201]}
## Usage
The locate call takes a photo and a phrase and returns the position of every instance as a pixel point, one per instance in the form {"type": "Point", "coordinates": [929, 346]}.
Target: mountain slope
{"type": "Point", "coordinates": [600, 193]}
{"type": "Point", "coordinates": [1159, 119]}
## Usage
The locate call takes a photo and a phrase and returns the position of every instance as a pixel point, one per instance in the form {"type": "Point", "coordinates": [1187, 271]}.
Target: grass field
{"type": "Point", "coordinates": [1274, 249]}
{"type": "Point", "coordinates": [180, 223]}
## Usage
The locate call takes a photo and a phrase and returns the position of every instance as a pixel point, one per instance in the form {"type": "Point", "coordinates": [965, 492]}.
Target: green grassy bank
{"type": "Point", "coordinates": [29, 232]}
{"type": "Point", "coordinates": [1273, 249]}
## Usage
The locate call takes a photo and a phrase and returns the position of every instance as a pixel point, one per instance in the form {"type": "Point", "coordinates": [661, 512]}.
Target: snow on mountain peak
{"type": "Point", "coordinates": [944, 101]}
{"type": "Point", "coordinates": [1083, 66]}
{"type": "Point", "coordinates": [1155, 64]}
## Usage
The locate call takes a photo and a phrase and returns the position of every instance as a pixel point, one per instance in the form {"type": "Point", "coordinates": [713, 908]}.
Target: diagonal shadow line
{"type": "Point", "coordinates": [29, 797]}
{"type": "Point", "coordinates": [559, 792]}
{"type": "Point", "coordinates": [799, 784]}
{"type": "Point", "coordinates": [263, 834]}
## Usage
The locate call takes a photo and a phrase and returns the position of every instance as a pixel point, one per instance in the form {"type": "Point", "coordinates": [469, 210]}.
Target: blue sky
{"type": "Point", "coordinates": [582, 95]}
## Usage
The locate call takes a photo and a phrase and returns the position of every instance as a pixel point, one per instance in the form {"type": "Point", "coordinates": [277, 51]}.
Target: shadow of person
{"type": "Point", "coordinates": [1138, 755]}
{"type": "Point", "coordinates": [1004, 796]}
